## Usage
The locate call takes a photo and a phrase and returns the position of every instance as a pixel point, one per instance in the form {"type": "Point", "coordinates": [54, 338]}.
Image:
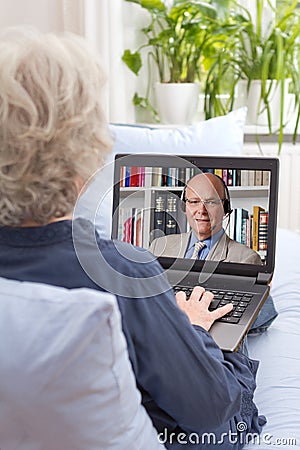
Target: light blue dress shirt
{"type": "Point", "coordinates": [210, 242]}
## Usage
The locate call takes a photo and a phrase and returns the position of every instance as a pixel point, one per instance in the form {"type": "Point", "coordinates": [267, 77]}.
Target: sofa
{"type": "Point", "coordinates": [64, 368]}
{"type": "Point", "coordinates": [59, 378]}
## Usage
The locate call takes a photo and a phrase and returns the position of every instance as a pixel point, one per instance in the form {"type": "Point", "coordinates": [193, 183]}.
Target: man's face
{"type": "Point", "coordinates": [205, 219]}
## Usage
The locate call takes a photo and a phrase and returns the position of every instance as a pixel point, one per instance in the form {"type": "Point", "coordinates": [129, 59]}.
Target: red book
{"type": "Point", "coordinates": [134, 176]}
{"type": "Point", "coordinates": [224, 176]}
{"type": "Point", "coordinates": [142, 176]}
{"type": "Point", "coordinates": [127, 230]}
{"type": "Point", "coordinates": [263, 230]}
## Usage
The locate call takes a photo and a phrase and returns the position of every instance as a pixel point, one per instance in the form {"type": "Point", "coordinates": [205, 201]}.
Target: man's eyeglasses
{"type": "Point", "coordinates": [195, 203]}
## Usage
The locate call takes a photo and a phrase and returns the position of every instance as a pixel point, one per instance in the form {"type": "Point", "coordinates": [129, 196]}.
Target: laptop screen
{"type": "Point", "coordinates": [168, 204]}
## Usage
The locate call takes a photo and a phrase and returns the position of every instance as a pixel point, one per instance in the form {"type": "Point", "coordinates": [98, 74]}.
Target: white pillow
{"type": "Point", "coordinates": [222, 135]}
{"type": "Point", "coordinates": [66, 379]}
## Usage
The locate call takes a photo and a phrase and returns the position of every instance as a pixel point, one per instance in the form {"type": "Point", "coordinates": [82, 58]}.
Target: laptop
{"type": "Point", "coordinates": [150, 211]}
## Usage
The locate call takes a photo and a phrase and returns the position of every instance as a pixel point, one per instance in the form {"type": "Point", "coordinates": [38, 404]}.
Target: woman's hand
{"type": "Point", "coordinates": [196, 307]}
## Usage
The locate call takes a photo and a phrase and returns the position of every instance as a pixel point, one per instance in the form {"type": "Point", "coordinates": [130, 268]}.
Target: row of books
{"type": "Point", "coordinates": [164, 219]}
{"type": "Point", "coordinates": [171, 176]}
{"type": "Point", "coordinates": [133, 176]}
{"type": "Point", "coordinates": [131, 225]}
{"type": "Point", "coordinates": [250, 228]}
{"type": "Point", "coordinates": [239, 177]}
{"type": "Point", "coordinates": [166, 213]}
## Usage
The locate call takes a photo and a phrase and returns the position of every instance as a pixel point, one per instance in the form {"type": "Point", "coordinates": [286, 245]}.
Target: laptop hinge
{"type": "Point", "coordinates": [263, 278]}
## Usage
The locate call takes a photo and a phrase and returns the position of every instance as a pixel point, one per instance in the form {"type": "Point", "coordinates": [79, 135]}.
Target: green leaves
{"type": "Point", "coordinates": [219, 42]}
{"type": "Point", "coordinates": [176, 38]}
{"type": "Point", "coordinates": [222, 8]}
{"type": "Point", "coordinates": [132, 60]}
{"type": "Point", "coordinates": [151, 5]}
{"type": "Point", "coordinates": [256, 50]}
{"type": "Point", "coordinates": [143, 102]}
{"type": "Point", "coordinates": [273, 55]}
{"type": "Point", "coordinates": [188, 12]}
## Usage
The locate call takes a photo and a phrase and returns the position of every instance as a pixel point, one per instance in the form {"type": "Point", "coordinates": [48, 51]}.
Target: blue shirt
{"type": "Point", "coordinates": [186, 382]}
{"type": "Point", "coordinates": [210, 242]}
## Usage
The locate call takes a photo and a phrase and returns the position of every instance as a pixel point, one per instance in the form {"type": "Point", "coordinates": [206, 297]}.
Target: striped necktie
{"type": "Point", "coordinates": [198, 246]}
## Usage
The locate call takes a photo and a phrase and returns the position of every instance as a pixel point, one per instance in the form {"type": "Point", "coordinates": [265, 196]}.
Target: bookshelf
{"type": "Point", "coordinates": [246, 196]}
{"type": "Point", "coordinates": [152, 207]}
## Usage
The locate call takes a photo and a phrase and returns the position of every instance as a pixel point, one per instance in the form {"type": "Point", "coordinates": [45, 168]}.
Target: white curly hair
{"type": "Point", "coordinates": [52, 127]}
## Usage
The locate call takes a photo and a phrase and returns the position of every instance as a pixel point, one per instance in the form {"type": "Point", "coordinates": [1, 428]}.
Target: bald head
{"type": "Point", "coordinates": [207, 180]}
{"type": "Point", "coordinates": [204, 196]}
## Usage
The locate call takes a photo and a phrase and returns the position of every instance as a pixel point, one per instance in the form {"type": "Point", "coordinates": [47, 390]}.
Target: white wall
{"type": "Point", "coordinates": [46, 15]}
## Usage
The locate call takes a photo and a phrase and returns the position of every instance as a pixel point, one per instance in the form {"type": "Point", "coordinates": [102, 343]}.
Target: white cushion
{"type": "Point", "coordinates": [218, 136]}
{"type": "Point", "coordinates": [222, 135]}
{"type": "Point", "coordinates": [66, 380]}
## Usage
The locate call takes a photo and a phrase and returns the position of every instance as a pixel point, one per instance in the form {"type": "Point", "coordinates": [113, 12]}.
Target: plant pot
{"type": "Point", "coordinates": [177, 102]}
{"type": "Point", "coordinates": [257, 114]}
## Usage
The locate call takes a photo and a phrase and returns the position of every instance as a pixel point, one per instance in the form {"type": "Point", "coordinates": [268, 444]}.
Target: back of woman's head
{"type": "Point", "coordinates": [53, 135]}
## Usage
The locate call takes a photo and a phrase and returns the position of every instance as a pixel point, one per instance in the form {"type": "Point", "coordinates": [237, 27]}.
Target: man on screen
{"type": "Point", "coordinates": [206, 203]}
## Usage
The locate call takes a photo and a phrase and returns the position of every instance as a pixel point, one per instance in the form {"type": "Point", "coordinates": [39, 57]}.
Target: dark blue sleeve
{"type": "Point", "coordinates": [178, 365]}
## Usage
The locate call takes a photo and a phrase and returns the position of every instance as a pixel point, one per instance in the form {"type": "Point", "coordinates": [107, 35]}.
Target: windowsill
{"type": "Point", "coordinates": [252, 131]}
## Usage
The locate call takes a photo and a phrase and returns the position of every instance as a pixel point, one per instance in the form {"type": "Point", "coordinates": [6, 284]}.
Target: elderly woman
{"type": "Point", "coordinates": [53, 137]}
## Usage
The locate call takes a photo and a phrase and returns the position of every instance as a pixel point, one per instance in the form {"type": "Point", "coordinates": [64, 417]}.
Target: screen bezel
{"type": "Point", "coordinates": [180, 161]}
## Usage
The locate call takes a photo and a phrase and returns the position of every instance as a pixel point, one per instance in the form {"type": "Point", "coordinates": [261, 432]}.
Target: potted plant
{"type": "Point", "coordinates": [176, 41]}
{"type": "Point", "coordinates": [264, 53]}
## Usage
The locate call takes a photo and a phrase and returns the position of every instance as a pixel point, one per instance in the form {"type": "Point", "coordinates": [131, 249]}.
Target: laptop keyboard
{"type": "Point", "coordinates": [240, 301]}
